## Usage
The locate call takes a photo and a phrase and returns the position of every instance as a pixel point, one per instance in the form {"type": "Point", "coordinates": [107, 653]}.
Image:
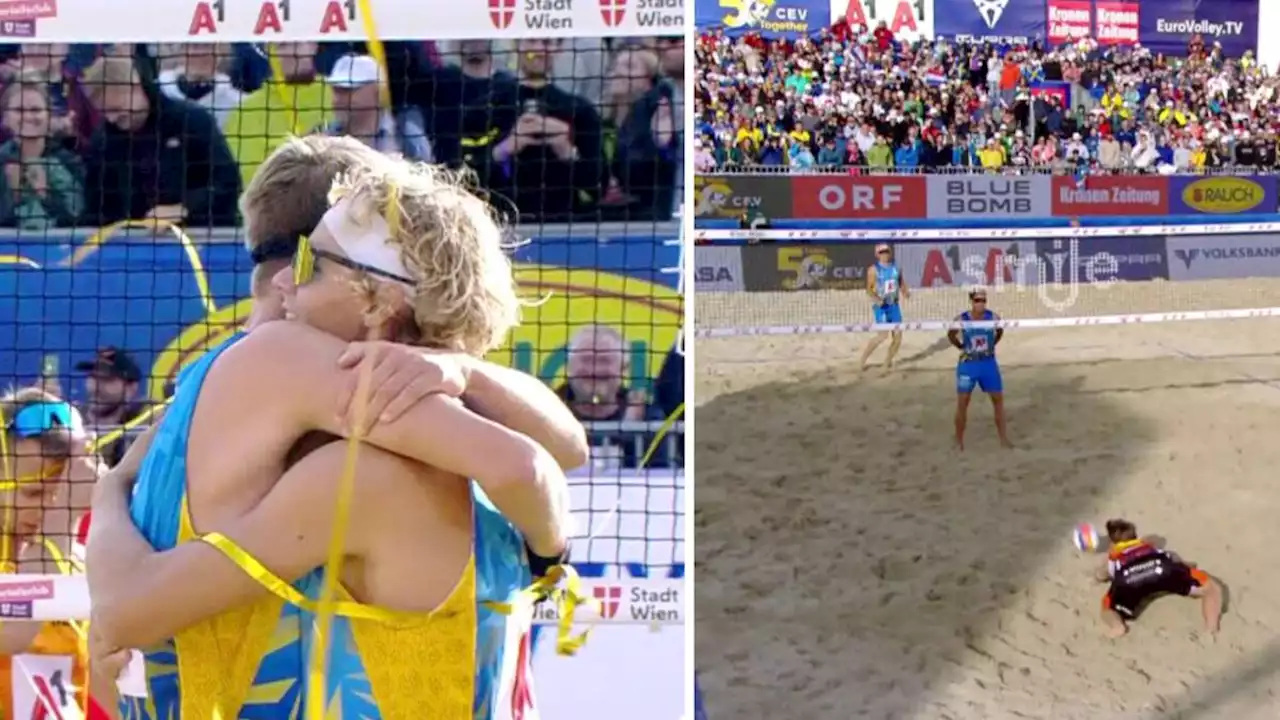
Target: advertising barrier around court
{"type": "Point", "coordinates": [1224, 195]}
{"type": "Point", "coordinates": [957, 264]}
{"type": "Point", "coordinates": [839, 259]}
{"type": "Point", "coordinates": [836, 266]}
{"type": "Point", "coordinates": [718, 269]}
{"type": "Point", "coordinates": [981, 197]}
{"type": "Point", "coordinates": [729, 196]}
{"type": "Point", "coordinates": [1008, 196]}
{"type": "Point", "coordinates": [1128, 258]}
{"type": "Point", "coordinates": [857, 197]}
{"type": "Point", "coordinates": [1207, 257]}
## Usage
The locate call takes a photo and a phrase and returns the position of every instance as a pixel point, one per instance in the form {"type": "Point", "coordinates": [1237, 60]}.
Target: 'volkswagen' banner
{"type": "Point", "coordinates": [789, 19]}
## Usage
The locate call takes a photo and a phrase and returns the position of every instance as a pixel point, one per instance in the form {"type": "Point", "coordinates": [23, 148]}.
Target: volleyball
{"type": "Point", "coordinates": [1085, 537]}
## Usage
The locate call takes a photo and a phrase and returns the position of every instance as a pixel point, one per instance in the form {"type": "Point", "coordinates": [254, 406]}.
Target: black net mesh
{"type": "Point", "coordinates": [123, 250]}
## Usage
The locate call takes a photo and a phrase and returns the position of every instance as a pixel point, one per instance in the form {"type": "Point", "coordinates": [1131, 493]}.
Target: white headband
{"type": "Point", "coordinates": [366, 244]}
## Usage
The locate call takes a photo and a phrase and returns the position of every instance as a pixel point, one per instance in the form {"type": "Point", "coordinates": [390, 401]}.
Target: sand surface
{"type": "Point", "coordinates": [850, 564]}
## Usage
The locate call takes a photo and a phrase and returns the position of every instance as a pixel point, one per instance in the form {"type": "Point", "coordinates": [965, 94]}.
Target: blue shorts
{"type": "Point", "coordinates": [888, 313]}
{"type": "Point", "coordinates": [983, 374]}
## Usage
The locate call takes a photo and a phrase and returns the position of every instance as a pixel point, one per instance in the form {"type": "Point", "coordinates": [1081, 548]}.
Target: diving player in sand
{"type": "Point", "coordinates": [1139, 571]}
{"type": "Point", "coordinates": [430, 271]}
{"type": "Point", "coordinates": [887, 290]}
{"type": "Point", "coordinates": [978, 367]}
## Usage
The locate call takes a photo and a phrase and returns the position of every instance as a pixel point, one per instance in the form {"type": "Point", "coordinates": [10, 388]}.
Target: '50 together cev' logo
{"type": "Point", "coordinates": [812, 269]}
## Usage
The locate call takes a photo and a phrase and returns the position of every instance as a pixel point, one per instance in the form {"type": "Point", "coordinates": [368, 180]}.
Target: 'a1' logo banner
{"type": "Point", "coordinates": [908, 20]}
{"type": "Point", "coordinates": [998, 21]}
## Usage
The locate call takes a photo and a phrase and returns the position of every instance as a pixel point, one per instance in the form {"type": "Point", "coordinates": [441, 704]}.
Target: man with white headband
{"type": "Point", "coordinates": [455, 292]}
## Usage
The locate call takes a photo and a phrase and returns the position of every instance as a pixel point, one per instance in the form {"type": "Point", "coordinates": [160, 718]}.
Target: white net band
{"type": "Point", "coordinates": [56, 598]}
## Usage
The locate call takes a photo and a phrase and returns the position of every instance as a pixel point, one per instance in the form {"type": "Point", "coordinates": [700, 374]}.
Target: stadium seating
{"type": "Point", "coordinates": [850, 97]}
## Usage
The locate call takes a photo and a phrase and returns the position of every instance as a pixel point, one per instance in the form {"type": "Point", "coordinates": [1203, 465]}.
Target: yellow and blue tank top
{"type": "Point", "coordinates": [464, 660]}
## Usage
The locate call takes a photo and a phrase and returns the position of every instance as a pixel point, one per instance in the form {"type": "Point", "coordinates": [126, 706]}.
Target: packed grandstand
{"type": "Point", "coordinates": [861, 97]}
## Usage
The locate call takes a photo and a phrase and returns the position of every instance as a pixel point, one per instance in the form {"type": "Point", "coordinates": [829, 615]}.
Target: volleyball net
{"type": "Point", "coordinates": [122, 248]}
{"type": "Point", "coordinates": [788, 282]}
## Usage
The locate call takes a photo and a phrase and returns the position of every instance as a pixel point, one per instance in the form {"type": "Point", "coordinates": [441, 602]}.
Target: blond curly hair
{"type": "Point", "coordinates": [464, 295]}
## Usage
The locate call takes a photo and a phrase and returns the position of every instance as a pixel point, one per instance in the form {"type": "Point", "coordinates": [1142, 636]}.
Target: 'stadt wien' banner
{"type": "Point", "coordinates": [961, 197]}
{"type": "Point", "coordinates": [789, 19]}
{"type": "Point", "coordinates": [1164, 26]}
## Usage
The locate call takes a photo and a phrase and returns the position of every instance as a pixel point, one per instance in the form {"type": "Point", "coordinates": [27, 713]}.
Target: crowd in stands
{"type": "Point", "coordinates": [575, 130]}
{"type": "Point", "coordinates": [554, 130]}
{"type": "Point", "coordinates": [860, 97]}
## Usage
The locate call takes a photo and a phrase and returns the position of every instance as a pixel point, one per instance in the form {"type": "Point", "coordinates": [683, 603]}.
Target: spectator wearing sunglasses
{"type": "Point", "coordinates": [46, 488]}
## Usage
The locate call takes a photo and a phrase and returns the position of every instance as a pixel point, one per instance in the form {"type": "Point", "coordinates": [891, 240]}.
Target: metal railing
{"type": "Point", "coordinates": [971, 170]}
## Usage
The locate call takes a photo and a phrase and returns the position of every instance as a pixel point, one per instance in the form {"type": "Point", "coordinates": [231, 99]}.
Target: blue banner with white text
{"type": "Point", "coordinates": [1008, 22]}
{"type": "Point", "coordinates": [1167, 26]}
{"type": "Point", "coordinates": [789, 19]}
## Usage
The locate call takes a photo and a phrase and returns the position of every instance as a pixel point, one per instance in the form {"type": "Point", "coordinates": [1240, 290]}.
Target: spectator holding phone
{"type": "Point", "coordinates": [550, 163]}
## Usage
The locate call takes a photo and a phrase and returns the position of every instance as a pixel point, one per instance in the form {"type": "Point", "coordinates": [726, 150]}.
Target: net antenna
{"type": "Point", "coordinates": [679, 270]}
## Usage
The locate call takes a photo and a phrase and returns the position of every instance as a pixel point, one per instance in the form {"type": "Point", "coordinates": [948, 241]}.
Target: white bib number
{"type": "Point", "coordinates": [978, 344]}
{"type": "Point", "coordinates": [890, 286]}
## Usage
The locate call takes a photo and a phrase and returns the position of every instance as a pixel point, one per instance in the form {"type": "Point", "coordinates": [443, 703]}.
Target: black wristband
{"type": "Point", "coordinates": [540, 565]}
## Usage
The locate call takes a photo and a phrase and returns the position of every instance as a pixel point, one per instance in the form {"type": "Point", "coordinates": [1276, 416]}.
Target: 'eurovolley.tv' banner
{"type": "Point", "coordinates": [1164, 26]}
{"type": "Point", "coordinates": [788, 19]}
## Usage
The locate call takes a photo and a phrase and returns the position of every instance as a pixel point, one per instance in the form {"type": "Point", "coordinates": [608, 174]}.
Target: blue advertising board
{"type": "Point", "coordinates": [995, 21]}
{"type": "Point", "coordinates": [166, 303]}
{"type": "Point", "coordinates": [1162, 26]}
{"type": "Point", "coordinates": [788, 19]}
{"type": "Point", "coordinates": [1099, 259]}
{"type": "Point", "coordinates": [1166, 26]}
{"type": "Point", "coordinates": [1223, 195]}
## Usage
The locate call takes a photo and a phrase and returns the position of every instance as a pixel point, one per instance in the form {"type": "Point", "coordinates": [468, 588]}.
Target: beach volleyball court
{"type": "Point", "coordinates": [851, 564]}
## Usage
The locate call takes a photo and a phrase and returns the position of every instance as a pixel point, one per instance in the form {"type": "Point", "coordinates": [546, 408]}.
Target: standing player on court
{"type": "Point", "coordinates": [978, 366]}
{"type": "Point", "coordinates": [886, 288]}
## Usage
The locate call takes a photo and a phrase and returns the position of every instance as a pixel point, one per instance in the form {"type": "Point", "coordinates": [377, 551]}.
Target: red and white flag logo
{"type": "Point", "coordinates": [613, 12]}
{"type": "Point", "coordinates": [502, 13]}
{"type": "Point", "coordinates": [610, 597]}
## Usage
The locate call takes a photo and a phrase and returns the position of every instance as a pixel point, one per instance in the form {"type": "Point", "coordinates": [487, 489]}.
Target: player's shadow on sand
{"type": "Point", "coordinates": [839, 539]}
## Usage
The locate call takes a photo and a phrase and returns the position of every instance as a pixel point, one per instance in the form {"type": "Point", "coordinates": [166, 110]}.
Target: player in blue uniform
{"type": "Point", "coordinates": [887, 290]}
{"type": "Point", "coordinates": [978, 367]}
